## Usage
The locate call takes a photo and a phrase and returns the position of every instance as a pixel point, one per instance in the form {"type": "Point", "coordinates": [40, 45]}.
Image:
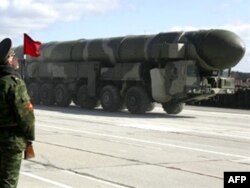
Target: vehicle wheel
{"type": "Point", "coordinates": [137, 100]}
{"type": "Point", "coordinates": [75, 101]}
{"type": "Point", "coordinates": [85, 101]}
{"type": "Point", "coordinates": [151, 107]}
{"type": "Point", "coordinates": [46, 93]}
{"type": "Point", "coordinates": [62, 95]}
{"type": "Point", "coordinates": [33, 90]}
{"type": "Point", "coordinates": [173, 108]}
{"type": "Point", "coordinates": [111, 99]}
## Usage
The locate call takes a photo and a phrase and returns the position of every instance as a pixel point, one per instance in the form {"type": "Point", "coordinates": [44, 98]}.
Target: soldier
{"type": "Point", "coordinates": [16, 117]}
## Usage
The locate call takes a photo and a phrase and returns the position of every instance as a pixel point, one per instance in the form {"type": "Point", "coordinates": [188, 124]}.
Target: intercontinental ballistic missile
{"type": "Point", "coordinates": [134, 72]}
{"type": "Point", "coordinates": [212, 49]}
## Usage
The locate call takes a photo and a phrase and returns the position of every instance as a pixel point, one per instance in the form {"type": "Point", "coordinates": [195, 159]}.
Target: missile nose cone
{"type": "Point", "coordinates": [222, 49]}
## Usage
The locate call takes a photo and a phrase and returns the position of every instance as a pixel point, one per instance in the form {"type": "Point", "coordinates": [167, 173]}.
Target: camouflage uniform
{"type": "Point", "coordinates": [16, 124]}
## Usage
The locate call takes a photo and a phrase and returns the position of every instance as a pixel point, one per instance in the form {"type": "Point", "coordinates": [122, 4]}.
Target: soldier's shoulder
{"type": "Point", "coordinates": [16, 79]}
{"type": "Point", "coordinates": [11, 80]}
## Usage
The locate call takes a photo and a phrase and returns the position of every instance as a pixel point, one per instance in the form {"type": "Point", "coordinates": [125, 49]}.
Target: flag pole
{"type": "Point", "coordinates": [23, 66]}
{"type": "Point", "coordinates": [31, 48]}
{"type": "Point", "coordinates": [23, 60]}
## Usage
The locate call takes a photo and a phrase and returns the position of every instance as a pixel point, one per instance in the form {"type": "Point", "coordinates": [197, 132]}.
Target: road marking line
{"type": "Point", "coordinates": [171, 129]}
{"type": "Point", "coordinates": [247, 160]}
{"type": "Point", "coordinates": [153, 127]}
{"type": "Point", "coordinates": [222, 134]}
{"type": "Point", "coordinates": [46, 180]}
{"type": "Point", "coordinates": [95, 179]}
{"type": "Point", "coordinates": [217, 114]}
{"type": "Point", "coordinates": [148, 142]}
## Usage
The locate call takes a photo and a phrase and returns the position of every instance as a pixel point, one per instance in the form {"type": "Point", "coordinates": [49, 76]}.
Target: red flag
{"type": "Point", "coordinates": [31, 47]}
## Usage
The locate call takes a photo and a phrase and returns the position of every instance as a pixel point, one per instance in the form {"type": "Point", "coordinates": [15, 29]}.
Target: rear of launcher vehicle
{"type": "Point", "coordinates": [134, 72]}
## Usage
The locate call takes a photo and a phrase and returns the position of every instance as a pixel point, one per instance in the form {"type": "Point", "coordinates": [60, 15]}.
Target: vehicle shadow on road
{"type": "Point", "coordinates": [100, 112]}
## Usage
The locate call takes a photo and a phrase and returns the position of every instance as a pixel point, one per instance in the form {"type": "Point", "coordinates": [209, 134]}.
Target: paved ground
{"type": "Point", "coordinates": [80, 148]}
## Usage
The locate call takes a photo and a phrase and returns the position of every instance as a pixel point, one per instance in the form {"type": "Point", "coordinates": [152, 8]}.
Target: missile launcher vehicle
{"type": "Point", "coordinates": [134, 72]}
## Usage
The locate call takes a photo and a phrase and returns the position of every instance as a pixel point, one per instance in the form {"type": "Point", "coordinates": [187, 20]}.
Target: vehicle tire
{"type": "Point", "coordinates": [173, 108]}
{"type": "Point", "coordinates": [62, 95]}
{"type": "Point", "coordinates": [46, 93]}
{"type": "Point", "coordinates": [111, 99]}
{"type": "Point", "coordinates": [75, 101]}
{"type": "Point", "coordinates": [85, 101]}
{"type": "Point", "coordinates": [151, 107]}
{"type": "Point", "coordinates": [33, 91]}
{"type": "Point", "coordinates": [137, 100]}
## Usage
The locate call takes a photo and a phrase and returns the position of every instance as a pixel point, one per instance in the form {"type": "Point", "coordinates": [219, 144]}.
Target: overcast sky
{"type": "Point", "coordinates": [59, 20]}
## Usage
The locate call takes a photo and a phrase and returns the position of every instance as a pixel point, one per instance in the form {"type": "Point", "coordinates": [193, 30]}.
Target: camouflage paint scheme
{"type": "Point", "coordinates": [16, 125]}
{"type": "Point", "coordinates": [173, 66]}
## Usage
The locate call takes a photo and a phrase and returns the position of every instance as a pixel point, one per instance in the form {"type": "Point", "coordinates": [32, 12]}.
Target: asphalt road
{"type": "Point", "coordinates": [85, 149]}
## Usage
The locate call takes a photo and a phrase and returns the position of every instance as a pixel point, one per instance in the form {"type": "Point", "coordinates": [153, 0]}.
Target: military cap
{"type": "Point", "coordinates": [5, 49]}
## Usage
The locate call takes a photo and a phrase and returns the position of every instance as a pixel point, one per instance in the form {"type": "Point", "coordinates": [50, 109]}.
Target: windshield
{"type": "Point", "coordinates": [226, 72]}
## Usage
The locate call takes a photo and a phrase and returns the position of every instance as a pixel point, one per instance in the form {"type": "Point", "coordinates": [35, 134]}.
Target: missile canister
{"type": "Point", "coordinates": [212, 49]}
